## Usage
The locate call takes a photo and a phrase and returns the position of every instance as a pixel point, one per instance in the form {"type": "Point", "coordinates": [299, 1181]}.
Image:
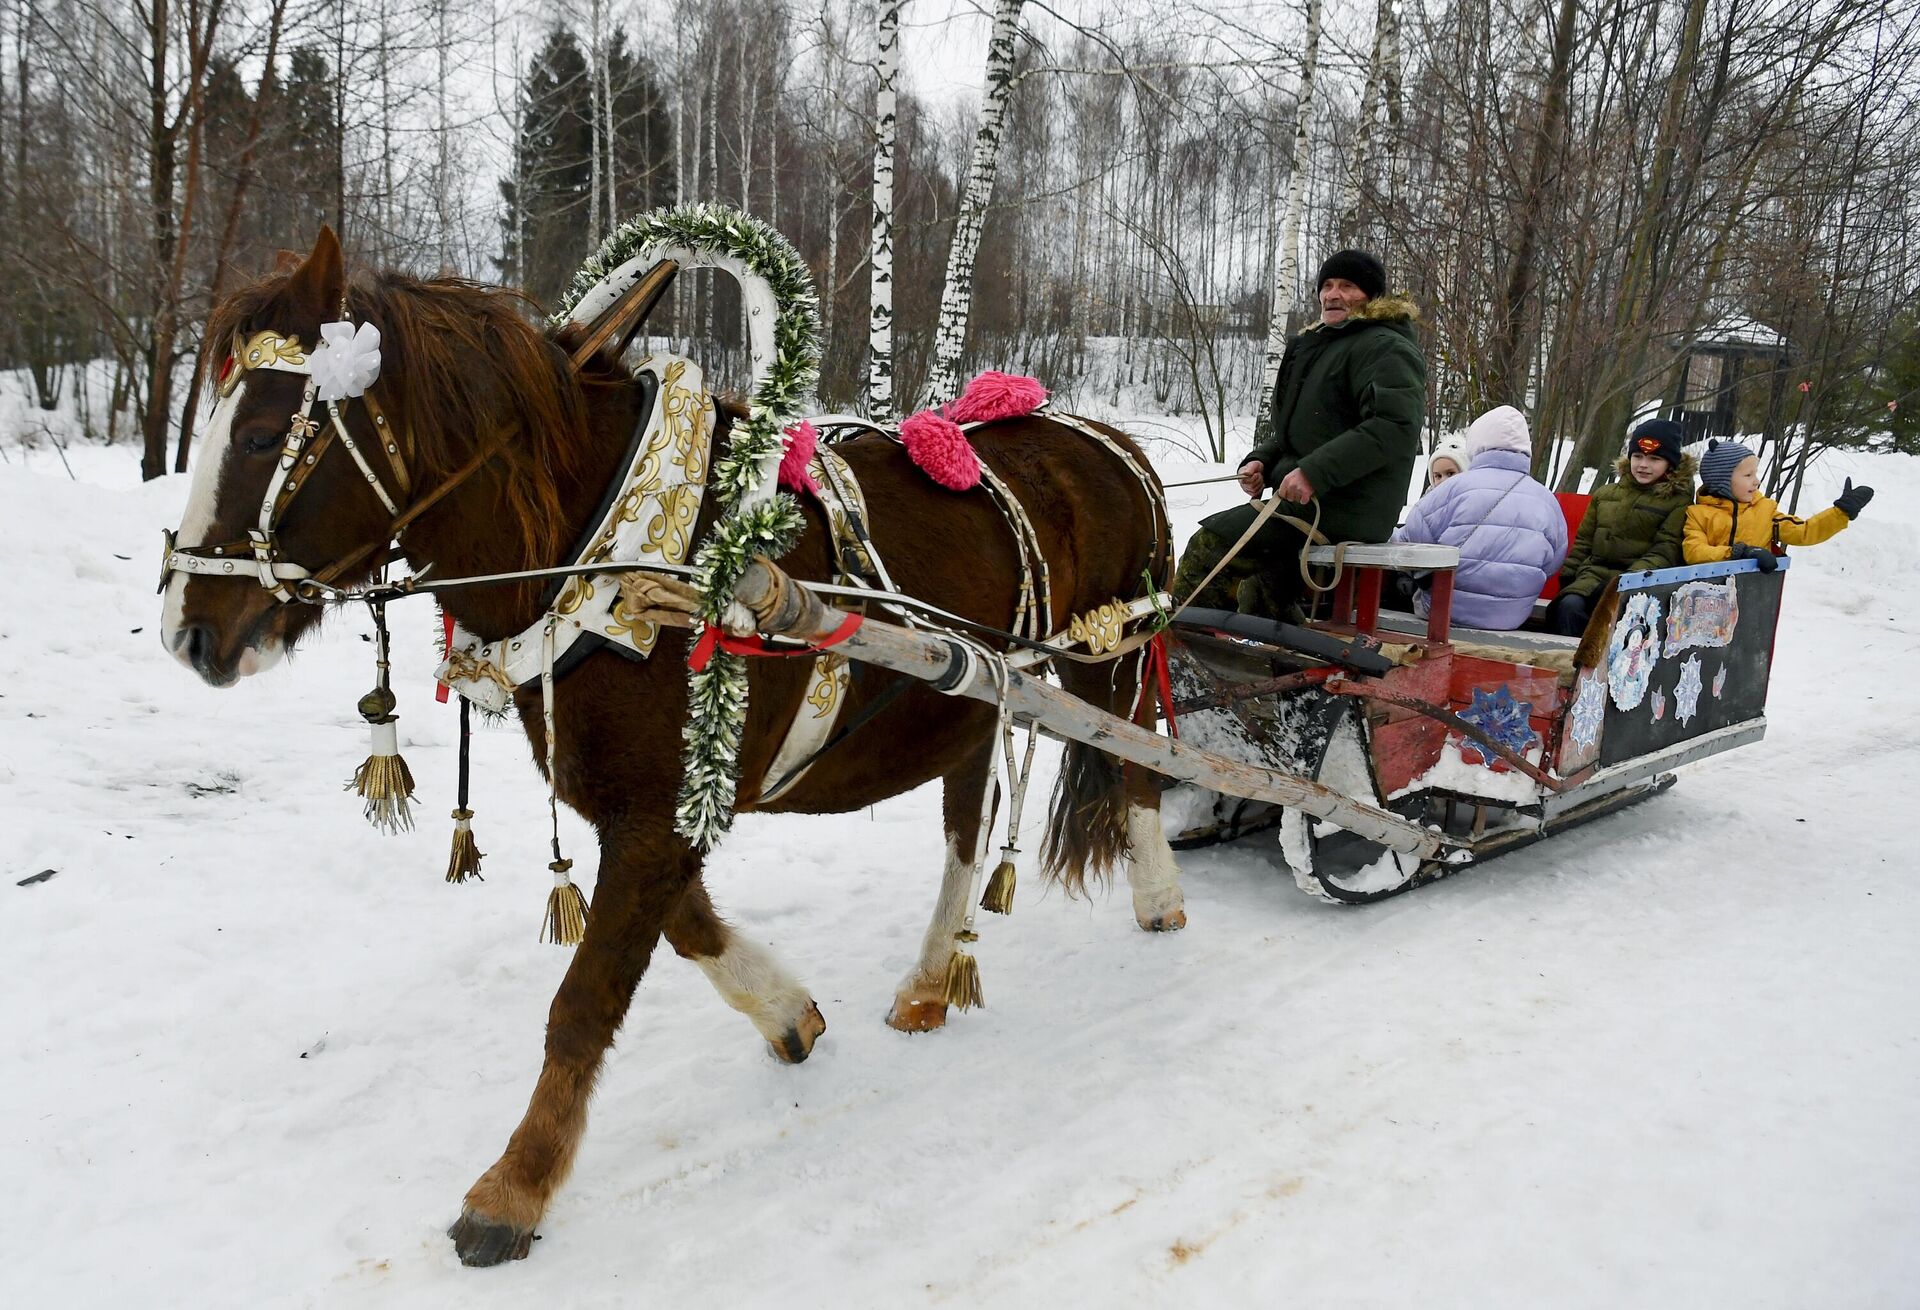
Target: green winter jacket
{"type": "Point", "coordinates": [1346, 413]}
{"type": "Point", "coordinates": [1629, 528]}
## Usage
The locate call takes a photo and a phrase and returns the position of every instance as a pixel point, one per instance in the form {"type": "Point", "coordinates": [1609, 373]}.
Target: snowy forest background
{"type": "Point", "coordinates": [1573, 192]}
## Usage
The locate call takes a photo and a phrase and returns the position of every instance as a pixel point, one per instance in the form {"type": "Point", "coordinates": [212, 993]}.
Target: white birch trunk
{"type": "Point", "coordinates": [594, 61]}
{"type": "Point", "coordinates": [879, 399]}
{"type": "Point", "coordinates": [1360, 165]}
{"type": "Point", "coordinates": [957, 300]}
{"type": "Point", "coordinates": [1286, 261]}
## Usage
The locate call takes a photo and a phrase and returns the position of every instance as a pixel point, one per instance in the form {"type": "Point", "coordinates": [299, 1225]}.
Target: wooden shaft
{"type": "Point", "coordinates": [783, 607]}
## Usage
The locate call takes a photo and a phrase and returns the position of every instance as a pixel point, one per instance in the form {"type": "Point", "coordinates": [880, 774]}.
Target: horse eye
{"type": "Point", "coordinates": [261, 441]}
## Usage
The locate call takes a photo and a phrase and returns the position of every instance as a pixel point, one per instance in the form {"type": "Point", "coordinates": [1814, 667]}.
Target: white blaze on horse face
{"type": "Point", "coordinates": [196, 529]}
{"type": "Point", "coordinates": [203, 501]}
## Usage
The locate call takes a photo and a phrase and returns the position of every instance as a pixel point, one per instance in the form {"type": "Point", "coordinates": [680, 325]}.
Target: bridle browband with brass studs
{"type": "Point", "coordinates": [340, 369]}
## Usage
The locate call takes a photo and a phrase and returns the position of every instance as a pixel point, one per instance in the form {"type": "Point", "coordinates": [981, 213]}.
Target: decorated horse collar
{"type": "Point", "coordinates": [650, 517]}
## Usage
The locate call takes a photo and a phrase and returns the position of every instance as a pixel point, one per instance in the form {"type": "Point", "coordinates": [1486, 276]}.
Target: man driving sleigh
{"type": "Point", "coordinates": [1345, 431]}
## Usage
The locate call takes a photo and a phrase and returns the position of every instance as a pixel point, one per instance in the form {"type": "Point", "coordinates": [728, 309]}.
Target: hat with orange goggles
{"type": "Point", "coordinates": [1658, 437]}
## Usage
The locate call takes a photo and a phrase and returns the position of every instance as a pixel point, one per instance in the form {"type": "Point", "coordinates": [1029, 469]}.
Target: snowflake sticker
{"type": "Point", "coordinates": [1589, 709]}
{"type": "Point", "coordinates": [1720, 682]}
{"type": "Point", "coordinates": [1659, 703]}
{"type": "Point", "coordinates": [1503, 719]}
{"type": "Point", "coordinates": [1686, 692]}
{"type": "Point", "coordinates": [1633, 649]}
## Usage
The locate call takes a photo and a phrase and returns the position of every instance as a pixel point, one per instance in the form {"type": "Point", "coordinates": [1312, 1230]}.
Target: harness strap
{"type": "Point", "coordinates": [1269, 510]}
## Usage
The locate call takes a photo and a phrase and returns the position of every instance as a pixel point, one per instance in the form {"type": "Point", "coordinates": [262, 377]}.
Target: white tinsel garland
{"type": "Point", "coordinates": [754, 518]}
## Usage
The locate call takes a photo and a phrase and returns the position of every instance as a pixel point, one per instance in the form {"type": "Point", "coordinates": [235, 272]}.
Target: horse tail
{"type": "Point", "coordinates": [1087, 828]}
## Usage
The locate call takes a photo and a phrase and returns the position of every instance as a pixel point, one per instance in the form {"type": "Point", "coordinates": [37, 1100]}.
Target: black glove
{"type": "Point", "coordinates": [1852, 499]}
{"type": "Point", "coordinates": [1764, 558]}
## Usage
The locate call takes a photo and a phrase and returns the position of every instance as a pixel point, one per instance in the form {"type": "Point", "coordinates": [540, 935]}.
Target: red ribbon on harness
{"type": "Point", "coordinates": [446, 649]}
{"type": "Point", "coordinates": [713, 639]}
{"type": "Point", "coordinates": [1162, 675]}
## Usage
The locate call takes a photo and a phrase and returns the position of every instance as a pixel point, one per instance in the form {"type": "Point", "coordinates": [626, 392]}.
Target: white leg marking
{"type": "Point", "coordinates": [752, 981]}
{"type": "Point", "coordinates": [203, 500]}
{"type": "Point", "coordinates": [927, 979]}
{"type": "Point", "coordinates": [1151, 872]}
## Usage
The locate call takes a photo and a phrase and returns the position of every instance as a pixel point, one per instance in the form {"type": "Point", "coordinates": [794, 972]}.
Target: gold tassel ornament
{"type": "Point", "coordinates": [999, 894]}
{"type": "Point", "coordinates": [464, 862]}
{"type": "Point", "coordinates": [566, 921]}
{"type": "Point", "coordinates": [384, 781]}
{"type": "Point", "coordinates": [963, 981]}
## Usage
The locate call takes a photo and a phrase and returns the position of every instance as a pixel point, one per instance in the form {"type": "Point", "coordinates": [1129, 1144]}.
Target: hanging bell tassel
{"type": "Point", "coordinates": [464, 862]}
{"type": "Point", "coordinates": [566, 921]}
{"type": "Point", "coordinates": [999, 894]}
{"type": "Point", "coordinates": [385, 782]}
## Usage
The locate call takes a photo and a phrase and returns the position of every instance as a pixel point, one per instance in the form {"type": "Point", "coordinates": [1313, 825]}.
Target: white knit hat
{"type": "Point", "coordinates": [1504, 428]}
{"type": "Point", "coordinates": [1453, 448]}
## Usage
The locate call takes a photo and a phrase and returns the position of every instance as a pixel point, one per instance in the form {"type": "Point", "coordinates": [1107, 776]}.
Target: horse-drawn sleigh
{"type": "Point", "coordinates": [622, 570]}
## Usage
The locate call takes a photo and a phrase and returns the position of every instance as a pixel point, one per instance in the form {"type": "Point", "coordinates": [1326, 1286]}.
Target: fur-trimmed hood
{"type": "Point", "coordinates": [1678, 477]}
{"type": "Point", "coordinates": [1388, 309]}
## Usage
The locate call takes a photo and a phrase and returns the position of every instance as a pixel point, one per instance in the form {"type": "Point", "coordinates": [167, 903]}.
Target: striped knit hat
{"type": "Point", "coordinates": [1718, 464]}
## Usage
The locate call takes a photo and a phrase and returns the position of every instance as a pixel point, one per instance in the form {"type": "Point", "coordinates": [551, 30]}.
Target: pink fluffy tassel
{"type": "Point", "coordinates": [936, 443]}
{"type": "Point", "coordinates": [995, 396]}
{"type": "Point", "coordinates": [801, 439]}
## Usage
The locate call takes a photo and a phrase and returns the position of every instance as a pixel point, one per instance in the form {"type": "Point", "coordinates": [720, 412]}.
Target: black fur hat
{"type": "Point", "coordinates": [1357, 267]}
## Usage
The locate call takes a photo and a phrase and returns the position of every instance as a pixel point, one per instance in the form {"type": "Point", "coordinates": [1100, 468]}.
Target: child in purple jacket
{"type": "Point", "coordinates": [1509, 529]}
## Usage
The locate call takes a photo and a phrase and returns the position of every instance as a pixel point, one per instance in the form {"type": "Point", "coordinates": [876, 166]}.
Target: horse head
{"type": "Point", "coordinates": [265, 511]}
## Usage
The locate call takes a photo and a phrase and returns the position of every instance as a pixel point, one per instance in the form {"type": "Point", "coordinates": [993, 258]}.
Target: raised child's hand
{"type": "Point", "coordinates": [1852, 499]}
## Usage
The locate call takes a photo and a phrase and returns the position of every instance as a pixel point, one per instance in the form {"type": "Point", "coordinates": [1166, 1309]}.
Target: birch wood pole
{"type": "Point", "coordinates": [957, 300]}
{"type": "Point", "coordinates": [1286, 262]}
{"type": "Point", "coordinates": [879, 399]}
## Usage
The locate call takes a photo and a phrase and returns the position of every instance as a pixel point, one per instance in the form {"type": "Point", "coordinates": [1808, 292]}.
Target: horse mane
{"type": "Point", "coordinates": [463, 364]}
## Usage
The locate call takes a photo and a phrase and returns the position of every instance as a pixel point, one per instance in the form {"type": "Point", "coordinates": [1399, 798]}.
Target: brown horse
{"type": "Point", "coordinates": [484, 402]}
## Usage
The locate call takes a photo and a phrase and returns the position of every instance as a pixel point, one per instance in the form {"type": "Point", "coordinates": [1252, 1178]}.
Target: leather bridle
{"type": "Point", "coordinates": [259, 554]}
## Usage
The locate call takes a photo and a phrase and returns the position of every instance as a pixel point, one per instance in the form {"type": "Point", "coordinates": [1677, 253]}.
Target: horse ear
{"type": "Point", "coordinates": [320, 281]}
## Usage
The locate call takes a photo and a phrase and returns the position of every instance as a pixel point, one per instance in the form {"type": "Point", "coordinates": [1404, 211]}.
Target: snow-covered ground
{"type": "Point", "coordinates": [252, 1054]}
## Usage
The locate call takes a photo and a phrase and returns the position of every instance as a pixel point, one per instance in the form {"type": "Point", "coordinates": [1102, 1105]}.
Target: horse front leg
{"type": "Point", "coordinates": [747, 976]}
{"type": "Point", "coordinates": [645, 872]}
{"type": "Point", "coordinates": [1152, 876]}
{"type": "Point", "coordinates": [920, 1002]}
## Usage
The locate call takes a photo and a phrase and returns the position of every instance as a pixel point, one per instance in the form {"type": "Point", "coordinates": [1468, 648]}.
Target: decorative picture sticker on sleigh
{"type": "Point", "coordinates": [1634, 649]}
{"type": "Point", "coordinates": [1702, 615]}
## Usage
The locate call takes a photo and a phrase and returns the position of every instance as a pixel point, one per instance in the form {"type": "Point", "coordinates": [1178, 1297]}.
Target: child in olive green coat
{"type": "Point", "coordinates": [1631, 525]}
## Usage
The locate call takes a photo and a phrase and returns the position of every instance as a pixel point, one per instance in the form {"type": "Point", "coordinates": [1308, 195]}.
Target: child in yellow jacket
{"type": "Point", "coordinates": [1732, 520]}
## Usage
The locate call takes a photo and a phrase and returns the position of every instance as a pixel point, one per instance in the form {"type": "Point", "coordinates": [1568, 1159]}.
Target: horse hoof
{"type": "Point", "coordinates": [481, 1242]}
{"type": "Point", "coordinates": [1170, 921]}
{"type": "Point", "coordinates": [917, 1016]}
{"type": "Point", "coordinates": [798, 1042]}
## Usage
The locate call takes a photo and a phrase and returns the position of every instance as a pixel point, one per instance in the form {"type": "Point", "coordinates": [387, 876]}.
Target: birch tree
{"type": "Point", "coordinates": [879, 398]}
{"type": "Point", "coordinates": [957, 300]}
{"type": "Point", "coordinates": [1286, 261]}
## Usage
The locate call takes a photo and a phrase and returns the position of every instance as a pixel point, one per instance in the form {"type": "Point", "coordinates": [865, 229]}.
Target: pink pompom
{"type": "Point", "coordinates": [997, 395]}
{"type": "Point", "coordinates": [936, 443]}
{"type": "Point", "coordinates": [801, 439]}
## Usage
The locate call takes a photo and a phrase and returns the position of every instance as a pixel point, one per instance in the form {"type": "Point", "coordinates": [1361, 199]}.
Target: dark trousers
{"type": "Point", "coordinates": [1263, 579]}
{"type": "Point", "coordinates": [1568, 614]}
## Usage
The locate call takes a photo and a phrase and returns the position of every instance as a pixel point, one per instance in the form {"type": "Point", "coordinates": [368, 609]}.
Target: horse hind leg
{"type": "Point", "coordinates": [747, 976]}
{"type": "Point", "coordinates": [1105, 811]}
{"type": "Point", "coordinates": [920, 1002]}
